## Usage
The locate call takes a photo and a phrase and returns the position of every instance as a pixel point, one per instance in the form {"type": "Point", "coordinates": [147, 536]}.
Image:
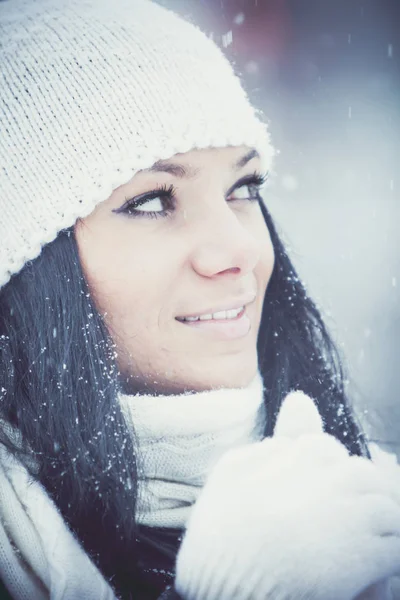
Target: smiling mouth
{"type": "Point", "coordinates": [225, 328]}
{"type": "Point", "coordinates": [222, 315]}
{"type": "Point", "coordinates": [227, 310]}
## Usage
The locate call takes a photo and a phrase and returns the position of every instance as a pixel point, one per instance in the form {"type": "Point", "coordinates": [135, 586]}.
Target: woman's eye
{"type": "Point", "coordinates": [245, 192]}
{"type": "Point", "coordinates": [151, 205]}
{"type": "Point", "coordinates": [158, 203]}
{"type": "Point", "coordinates": [248, 188]}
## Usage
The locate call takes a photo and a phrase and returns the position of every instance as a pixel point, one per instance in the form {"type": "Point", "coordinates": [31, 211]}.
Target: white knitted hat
{"type": "Point", "coordinates": [92, 91]}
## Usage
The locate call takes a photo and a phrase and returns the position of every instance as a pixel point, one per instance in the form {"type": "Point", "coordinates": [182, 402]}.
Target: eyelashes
{"type": "Point", "coordinates": [167, 196]}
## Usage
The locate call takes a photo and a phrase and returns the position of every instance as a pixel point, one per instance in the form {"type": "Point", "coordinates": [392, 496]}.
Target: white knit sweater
{"type": "Point", "coordinates": [40, 559]}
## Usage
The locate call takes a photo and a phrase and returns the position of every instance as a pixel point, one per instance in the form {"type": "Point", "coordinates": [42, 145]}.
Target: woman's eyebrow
{"type": "Point", "coordinates": [185, 172]}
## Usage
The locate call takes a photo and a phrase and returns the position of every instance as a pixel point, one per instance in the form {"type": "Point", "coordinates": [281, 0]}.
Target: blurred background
{"type": "Point", "coordinates": [326, 74]}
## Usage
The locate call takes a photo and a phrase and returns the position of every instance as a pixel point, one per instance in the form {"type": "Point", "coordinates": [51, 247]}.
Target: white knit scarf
{"type": "Point", "coordinates": [181, 437]}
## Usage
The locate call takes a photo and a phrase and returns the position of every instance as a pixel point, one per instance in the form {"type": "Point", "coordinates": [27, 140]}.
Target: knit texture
{"type": "Point", "coordinates": [40, 559]}
{"type": "Point", "coordinates": [93, 91]}
{"type": "Point", "coordinates": [181, 438]}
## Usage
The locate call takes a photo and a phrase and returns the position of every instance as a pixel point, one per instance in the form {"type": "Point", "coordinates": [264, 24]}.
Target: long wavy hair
{"type": "Point", "coordinates": [59, 390]}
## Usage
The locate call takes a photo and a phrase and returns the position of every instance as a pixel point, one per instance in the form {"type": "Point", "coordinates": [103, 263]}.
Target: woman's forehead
{"type": "Point", "coordinates": [189, 164]}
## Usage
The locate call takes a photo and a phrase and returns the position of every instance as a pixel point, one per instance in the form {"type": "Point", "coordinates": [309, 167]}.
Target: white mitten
{"type": "Point", "coordinates": [292, 517]}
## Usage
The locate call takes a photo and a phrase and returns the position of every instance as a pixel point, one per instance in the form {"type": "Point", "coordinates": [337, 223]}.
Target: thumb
{"type": "Point", "coordinates": [298, 416]}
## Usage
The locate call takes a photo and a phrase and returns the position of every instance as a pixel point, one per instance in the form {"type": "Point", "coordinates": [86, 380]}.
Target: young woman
{"type": "Point", "coordinates": [158, 351]}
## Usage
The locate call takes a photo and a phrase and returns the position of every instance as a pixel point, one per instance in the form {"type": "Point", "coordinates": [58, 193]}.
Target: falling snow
{"type": "Point", "coordinates": [239, 19]}
{"type": "Point", "coordinates": [227, 39]}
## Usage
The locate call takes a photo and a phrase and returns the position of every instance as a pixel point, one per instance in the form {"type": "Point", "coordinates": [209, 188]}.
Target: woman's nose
{"type": "Point", "coordinates": [222, 243]}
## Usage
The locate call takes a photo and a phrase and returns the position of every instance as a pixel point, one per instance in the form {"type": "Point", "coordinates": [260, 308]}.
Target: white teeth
{"type": "Point", "coordinates": [222, 314]}
{"type": "Point", "coordinates": [227, 314]}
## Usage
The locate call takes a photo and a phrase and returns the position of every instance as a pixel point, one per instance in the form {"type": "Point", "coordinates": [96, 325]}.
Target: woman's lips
{"type": "Point", "coordinates": [228, 304]}
{"type": "Point", "coordinates": [224, 328]}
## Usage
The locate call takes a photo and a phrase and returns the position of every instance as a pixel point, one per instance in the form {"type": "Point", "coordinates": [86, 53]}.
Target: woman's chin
{"type": "Point", "coordinates": [232, 378]}
{"type": "Point", "coordinates": [202, 374]}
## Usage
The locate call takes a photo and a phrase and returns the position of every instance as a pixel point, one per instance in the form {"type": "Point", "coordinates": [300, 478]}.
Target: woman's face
{"type": "Point", "coordinates": [205, 250]}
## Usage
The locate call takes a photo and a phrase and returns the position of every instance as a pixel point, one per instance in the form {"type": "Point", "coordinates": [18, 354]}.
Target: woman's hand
{"type": "Point", "coordinates": [291, 517]}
